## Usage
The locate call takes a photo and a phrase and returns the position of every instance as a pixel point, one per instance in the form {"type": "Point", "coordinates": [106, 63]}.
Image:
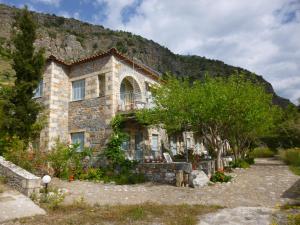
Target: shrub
{"type": "Point", "coordinates": [121, 47]}
{"type": "Point", "coordinates": [92, 174]}
{"type": "Point", "coordinates": [129, 178]}
{"type": "Point", "coordinates": [292, 158]}
{"type": "Point", "coordinates": [262, 152]}
{"type": "Point", "coordinates": [95, 46]}
{"type": "Point", "coordinates": [67, 161]}
{"type": "Point", "coordinates": [33, 160]}
{"type": "Point", "coordinates": [52, 34]}
{"type": "Point", "coordinates": [249, 160]}
{"type": "Point", "coordinates": [16, 152]}
{"type": "Point", "coordinates": [220, 177]}
{"type": "Point", "coordinates": [120, 169]}
{"type": "Point", "coordinates": [52, 199]}
{"type": "Point", "coordinates": [239, 163]}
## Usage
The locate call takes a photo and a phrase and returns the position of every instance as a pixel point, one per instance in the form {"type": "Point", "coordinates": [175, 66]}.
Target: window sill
{"type": "Point", "coordinates": [37, 97]}
{"type": "Point", "coordinates": [78, 100]}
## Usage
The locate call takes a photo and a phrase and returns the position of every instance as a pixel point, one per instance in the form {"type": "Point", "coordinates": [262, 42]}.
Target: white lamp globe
{"type": "Point", "coordinates": [46, 179]}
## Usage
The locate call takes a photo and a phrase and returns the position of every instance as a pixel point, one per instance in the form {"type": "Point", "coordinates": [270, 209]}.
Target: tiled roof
{"type": "Point", "coordinates": [147, 70]}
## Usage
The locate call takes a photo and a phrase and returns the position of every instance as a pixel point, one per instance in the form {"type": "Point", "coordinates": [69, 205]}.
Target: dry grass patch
{"type": "Point", "coordinates": [291, 214]}
{"type": "Point", "coordinates": [148, 213]}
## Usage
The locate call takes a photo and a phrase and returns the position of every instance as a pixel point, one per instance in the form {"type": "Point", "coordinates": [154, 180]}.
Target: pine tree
{"type": "Point", "coordinates": [21, 110]}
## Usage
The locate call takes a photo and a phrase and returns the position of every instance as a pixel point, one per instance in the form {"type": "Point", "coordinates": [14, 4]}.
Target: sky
{"type": "Point", "coordinates": [262, 36]}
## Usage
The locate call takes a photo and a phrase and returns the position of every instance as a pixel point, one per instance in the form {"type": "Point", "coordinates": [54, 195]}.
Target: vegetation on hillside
{"type": "Point", "coordinates": [70, 39]}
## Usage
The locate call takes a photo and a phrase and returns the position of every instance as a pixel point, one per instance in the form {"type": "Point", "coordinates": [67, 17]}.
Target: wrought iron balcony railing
{"type": "Point", "coordinates": [130, 101]}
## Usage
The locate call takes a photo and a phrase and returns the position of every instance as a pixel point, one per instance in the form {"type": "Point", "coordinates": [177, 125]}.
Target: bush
{"type": "Point", "coordinates": [51, 200]}
{"type": "Point", "coordinates": [120, 169]}
{"type": "Point", "coordinates": [291, 156]}
{"type": "Point", "coordinates": [92, 174]}
{"type": "Point", "coordinates": [67, 161]}
{"type": "Point", "coordinates": [33, 160]}
{"type": "Point", "coordinates": [249, 160]}
{"type": "Point", "coordinates": [16, 153]}
{"type": "Point", "coordinates": [239, 163]}
{"type": "Point", "coordinates": [262, 152]}
{"type": "Point", "coordinates": [220, 177]}
{"type": "Point", "coordinates": [130, 178]}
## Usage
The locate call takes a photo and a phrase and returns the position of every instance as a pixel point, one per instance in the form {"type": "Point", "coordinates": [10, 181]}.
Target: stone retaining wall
{"type": "Point", "coordinates": [164, 172]}
{"type": "Point", "coordinates": [19, 178]}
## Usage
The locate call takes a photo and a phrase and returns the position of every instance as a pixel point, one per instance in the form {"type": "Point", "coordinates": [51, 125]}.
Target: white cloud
{"type": "Point", "coordinates": [64, 14]}
{"type": "Point", "coordinates": [30, 7]}
{"type": "Point", "coordinates": [76, 15]}
{"type": "Point", "coordinates": [55, 3]}
{"type": "Point", "coordinates": [262, 36]}
{"type": "Point", "coordinates": [113, 15]}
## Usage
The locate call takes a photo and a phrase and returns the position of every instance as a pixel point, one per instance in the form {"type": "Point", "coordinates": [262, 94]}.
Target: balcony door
{"type": "Point", "coordinates": [126, 95]}
{"type": "Point", "coordinates": [130, 94]}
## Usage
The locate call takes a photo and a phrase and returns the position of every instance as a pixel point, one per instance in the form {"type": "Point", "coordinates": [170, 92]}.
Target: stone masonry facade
{"type": "Point", "coordinates": [110, 84]}
{"type": "Point", "coordinates": [103, 77]}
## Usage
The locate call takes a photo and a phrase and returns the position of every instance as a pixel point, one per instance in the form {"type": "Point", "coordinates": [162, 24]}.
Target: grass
{"type": "Point", "coordinates": [292, 212]}
{"type": "Point", "coordinates": [262, 152]}
{"type": "Point", "coordinates": [147, 213]}
{"type": "Point", "coordinates": [295, 169]}
{"type": "Point", "coordinates": [294, 219]}
{"type": "Point", "coordinates": [292, 158]}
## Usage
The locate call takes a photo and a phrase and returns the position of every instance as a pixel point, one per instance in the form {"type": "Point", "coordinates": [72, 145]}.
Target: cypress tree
{"type": "Point", "coordinates": [21, 110]}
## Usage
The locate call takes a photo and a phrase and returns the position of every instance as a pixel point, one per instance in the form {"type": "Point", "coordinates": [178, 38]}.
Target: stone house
{"type": "Point", "coordinates": [82, 97]}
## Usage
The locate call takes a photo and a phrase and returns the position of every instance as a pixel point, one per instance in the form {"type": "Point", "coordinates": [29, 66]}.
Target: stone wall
{"type": "Point", "coordinates": [59, 102]}
{"type": "Point", "coordinates": [164, 172]}
{"type": "Point", "coordinates": [45, 101]}
{"type": "Point", "coordinates": [122, 70]}
{"type": "Point", "coordinates": [19, 178]}
{"type": "Point", "coordinates": [92, 117]}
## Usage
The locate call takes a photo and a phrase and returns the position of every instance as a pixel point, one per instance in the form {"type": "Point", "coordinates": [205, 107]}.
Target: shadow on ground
{"type": "Point", "coordinates": [293, 192]}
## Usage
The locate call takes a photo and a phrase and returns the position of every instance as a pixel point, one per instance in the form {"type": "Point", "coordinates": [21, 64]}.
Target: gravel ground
{"type": "Point", "coordinates": [266, 184]}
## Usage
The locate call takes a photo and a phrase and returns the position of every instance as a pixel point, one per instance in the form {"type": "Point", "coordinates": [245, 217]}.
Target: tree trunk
{"type": "Point", "coordinates": [219, 164]}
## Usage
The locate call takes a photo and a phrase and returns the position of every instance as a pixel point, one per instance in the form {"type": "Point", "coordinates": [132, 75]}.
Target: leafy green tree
{"type": "Point", "coordinates": [251, 114]}
{"type": "Point", "coordinates": [288, 130]}
{"type": "Point", "coordinates": [219, 109]}
{"type": "Point", "coordinates": [19, 108]}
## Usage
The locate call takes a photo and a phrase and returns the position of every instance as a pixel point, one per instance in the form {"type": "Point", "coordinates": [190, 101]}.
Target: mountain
{"type": "Point", "coordinates": [70, 39]}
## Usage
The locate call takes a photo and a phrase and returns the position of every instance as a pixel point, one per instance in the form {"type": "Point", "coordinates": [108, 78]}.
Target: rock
{"type": "Point", "coordinates": [198, 179]}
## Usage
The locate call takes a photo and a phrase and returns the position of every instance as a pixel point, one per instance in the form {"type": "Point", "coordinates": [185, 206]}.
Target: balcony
{"type": "Point", "coordinates": [130, 101]}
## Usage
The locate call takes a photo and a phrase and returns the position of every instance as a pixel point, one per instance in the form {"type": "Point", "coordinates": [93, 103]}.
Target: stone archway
{"type": "Point", "coordinates": [130, 94]}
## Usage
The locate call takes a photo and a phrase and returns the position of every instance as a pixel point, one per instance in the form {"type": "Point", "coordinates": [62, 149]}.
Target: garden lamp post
{"type": "Point", "coordinates": [46, 180]}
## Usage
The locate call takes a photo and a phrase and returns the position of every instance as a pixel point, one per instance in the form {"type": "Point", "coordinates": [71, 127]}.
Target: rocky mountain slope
{"type": "Point", "coordinates": [70, 39]}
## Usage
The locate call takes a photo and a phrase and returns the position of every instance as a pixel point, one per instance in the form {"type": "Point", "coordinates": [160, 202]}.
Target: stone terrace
{"type": "Point", "coordinates": [267, 183]}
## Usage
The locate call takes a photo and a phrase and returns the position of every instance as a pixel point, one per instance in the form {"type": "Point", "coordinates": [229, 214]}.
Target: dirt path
{"type": "Point", "coordinates": [265, 184]}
